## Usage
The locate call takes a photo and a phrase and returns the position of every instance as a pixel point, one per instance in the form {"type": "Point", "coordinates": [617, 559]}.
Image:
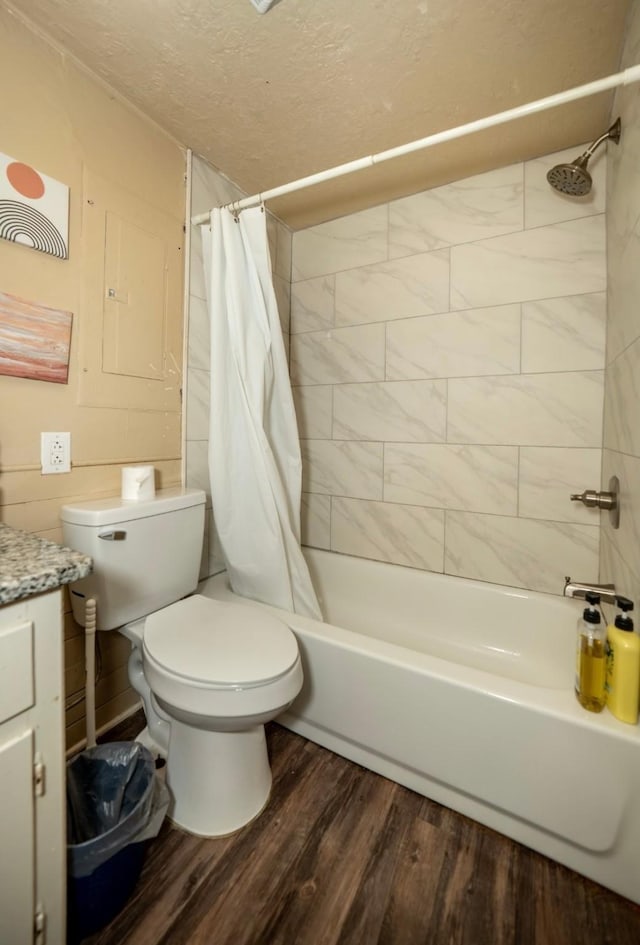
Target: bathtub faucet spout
{"type": "Point", "coordinates": [607, 592]}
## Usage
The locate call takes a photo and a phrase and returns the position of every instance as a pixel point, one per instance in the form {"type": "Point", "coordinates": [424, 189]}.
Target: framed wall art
{"type": "Point", "coordinates": [34, 208]}
{"type": "Point", "coordinates": [35, 340]}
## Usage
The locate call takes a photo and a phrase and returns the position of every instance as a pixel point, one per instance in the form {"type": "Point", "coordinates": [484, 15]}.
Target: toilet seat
{"type": "Point", "coordinates": [219, 645]}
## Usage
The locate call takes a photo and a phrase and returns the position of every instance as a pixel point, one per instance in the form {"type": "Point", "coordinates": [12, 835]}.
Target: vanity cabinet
{"type": "Point", "coordinates": [32, 772]}
{"type": "Point", "coordinates": [33, 842]}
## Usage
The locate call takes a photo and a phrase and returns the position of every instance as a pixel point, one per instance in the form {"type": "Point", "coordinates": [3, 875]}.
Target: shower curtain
{"type": "Point", "coordinates": [254, 453]}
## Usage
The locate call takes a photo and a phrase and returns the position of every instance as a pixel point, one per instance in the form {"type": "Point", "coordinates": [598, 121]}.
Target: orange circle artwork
{"type": "Point", "coordinates": [25, 180]}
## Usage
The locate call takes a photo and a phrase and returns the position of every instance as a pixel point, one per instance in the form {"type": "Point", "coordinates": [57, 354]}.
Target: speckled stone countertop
{"type": "Point", "coordinates": [30, 565]}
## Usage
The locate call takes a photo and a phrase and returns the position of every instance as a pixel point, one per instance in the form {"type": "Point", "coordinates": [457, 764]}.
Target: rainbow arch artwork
{"type": "Point", "coordinates": [34, 208]}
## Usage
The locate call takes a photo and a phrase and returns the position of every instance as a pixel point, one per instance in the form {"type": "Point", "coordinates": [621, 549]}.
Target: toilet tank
{"type": "Point", "coordinates": [145, 554]}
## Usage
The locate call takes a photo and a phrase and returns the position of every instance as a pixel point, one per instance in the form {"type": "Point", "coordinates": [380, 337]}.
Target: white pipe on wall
{"type": "Point", "coordinates": [90, 670]}
{"type": "Point", "coordinates": [626, 77]}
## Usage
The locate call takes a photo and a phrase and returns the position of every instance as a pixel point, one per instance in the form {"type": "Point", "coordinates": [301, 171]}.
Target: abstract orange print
{"type": "Point", "coordinates": [34, 340]}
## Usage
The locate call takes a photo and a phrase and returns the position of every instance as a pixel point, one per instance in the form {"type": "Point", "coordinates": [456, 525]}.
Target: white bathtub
{"type": "Point", "coordinates": [463, 691]}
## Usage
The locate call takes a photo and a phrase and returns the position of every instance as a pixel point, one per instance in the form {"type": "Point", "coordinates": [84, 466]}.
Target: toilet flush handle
{"type": "Point", "coordinates": [113, 536]}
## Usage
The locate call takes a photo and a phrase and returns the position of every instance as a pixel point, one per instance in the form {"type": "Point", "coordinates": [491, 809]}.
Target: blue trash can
{"type": "Point", "coordinates": [115, 803]}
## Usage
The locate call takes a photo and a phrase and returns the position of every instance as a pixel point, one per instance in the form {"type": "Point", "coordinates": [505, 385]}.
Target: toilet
{"type": "Point", "coordinates": [210, 673]}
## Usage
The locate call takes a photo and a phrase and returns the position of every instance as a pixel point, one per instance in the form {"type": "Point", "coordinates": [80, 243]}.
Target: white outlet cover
{"type": "Point", "coordinates": [55, 453]}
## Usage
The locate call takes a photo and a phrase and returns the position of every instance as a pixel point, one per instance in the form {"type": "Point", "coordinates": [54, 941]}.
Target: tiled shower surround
{"type": "Point", "coordinates": [620, 558]}
{"type": "Point", "coordinates": [447, 360]}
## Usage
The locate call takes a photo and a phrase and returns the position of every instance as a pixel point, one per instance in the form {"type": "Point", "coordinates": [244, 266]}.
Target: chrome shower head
{"type": "Point", "coordinates": [574, 178]}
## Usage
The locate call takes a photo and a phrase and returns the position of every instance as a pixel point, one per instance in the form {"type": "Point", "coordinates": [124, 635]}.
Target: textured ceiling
{"type": "Point", "coordinates": [315, 83]}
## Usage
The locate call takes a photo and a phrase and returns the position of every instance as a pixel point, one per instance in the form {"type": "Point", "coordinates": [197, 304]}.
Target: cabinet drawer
{"type": "Point", "coordinates": [16, 669]}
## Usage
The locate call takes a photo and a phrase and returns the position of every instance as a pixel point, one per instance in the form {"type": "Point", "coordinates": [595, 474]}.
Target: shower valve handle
{"type": "Point", "coordinates": [593, 499]}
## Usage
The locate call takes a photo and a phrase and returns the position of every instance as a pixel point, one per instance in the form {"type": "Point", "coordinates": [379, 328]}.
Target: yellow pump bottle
{"type": "Point", "coordinates": [590, 658]}
{"type": "Point", "coordinates": [623, 666]}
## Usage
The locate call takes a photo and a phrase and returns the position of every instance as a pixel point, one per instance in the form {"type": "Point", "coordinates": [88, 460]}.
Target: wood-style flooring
{"type": "Point", "coordinates": [342, 856]}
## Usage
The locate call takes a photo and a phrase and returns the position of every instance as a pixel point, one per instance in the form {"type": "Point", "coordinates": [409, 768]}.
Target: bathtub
{"type": "Point", "coordinates": [463, 692]}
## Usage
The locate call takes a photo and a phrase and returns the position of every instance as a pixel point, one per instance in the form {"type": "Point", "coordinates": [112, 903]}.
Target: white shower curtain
{"type": "Point", "coordinates": [254, 453]}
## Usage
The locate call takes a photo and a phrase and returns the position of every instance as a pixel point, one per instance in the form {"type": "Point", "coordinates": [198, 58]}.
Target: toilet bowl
{"type": "Point", "coordinates": [210, 673]}
{"type": "Point", "coordinates": [217, 675]}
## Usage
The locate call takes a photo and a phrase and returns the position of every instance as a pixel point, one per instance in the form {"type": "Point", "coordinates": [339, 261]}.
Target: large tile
{"type": "Point", "coordinates": [527, 410]}
{"type": "Point", "coordinates": [397, 533]}
{"type": "Point", "coordinates": [622, 400]}
{"type": "Point", "coordinates": [338, 356]}
{"type": "Point", "coordinates": [354, 240]}
{"type": "Point", "coordinates": [472, 209]}
{"type": "Point", "coordinates": [197, 285]}
{"type": "Point", "coordinates": [547, 262]}
{"type": "Point", "coordinates": [401, 411]}
{"type": "Point", "coordinates": [284, 242]}
{"type": "Point", "coordinates": [272, 240]}
{"type": "Point", "coordinates": [626, 538]}
{"type": "Point", "coordinates": [519, 552]}
{"type": "Point", "coordinates": [475, 478]}
{"type": "Point", "coordinates": [566, 334]}
{"type": "Point", "coordinates": [417, 285]}
{"type": "Point", "coordinates": [199, 346]}
{"type": "Point", "coordinates": [458, 344]}
{"type": "Point", "coordinates": [210, 188]}
{"type": "Point", "coordinates": [615, 570]}
{"type": "Point", "coordinates": [315, 520]}
{"type": "Point", "coordinates": [313, 411]}
{"type": "Point", "coordinates": [544, 205]}
{"type": "Point", "coordinates": [313, 304]}
{"type": "Point", "coordinates": [282, 291]}
{"type": "Point", "coordinates": [217, 562]}
{"type": "Point", "coordinates": [623, 321]}
{"type": "Point", "coordinates": [631, 52]}
{"type": "Point", "coordinates": [197, 391]}
{"type": "Point", "coordinates": [197, 466]}
{"type": "Point", "coordinates": [549, 476]}
{"type": "Point", "coordinates": [342, 468]}
{"type": "Point", "coordinates": [623, 170]}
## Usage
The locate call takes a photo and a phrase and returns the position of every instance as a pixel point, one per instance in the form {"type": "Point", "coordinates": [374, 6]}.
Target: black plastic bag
{"type": "Point", "coordinates": [114, 798]}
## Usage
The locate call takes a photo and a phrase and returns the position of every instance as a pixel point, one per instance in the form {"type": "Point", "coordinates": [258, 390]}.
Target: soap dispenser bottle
{"type": "Point", "coordinates": [623, 665]}
{"type": "Point", "coordinates": [590, 657]}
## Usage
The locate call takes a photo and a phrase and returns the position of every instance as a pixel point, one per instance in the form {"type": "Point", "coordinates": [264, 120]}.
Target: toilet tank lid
{"type": "Point", "coordinates": [115, 510]}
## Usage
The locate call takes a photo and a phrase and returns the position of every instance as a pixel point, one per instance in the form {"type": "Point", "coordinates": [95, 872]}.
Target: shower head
{"type": "Point", "coordinates": [574, 178]}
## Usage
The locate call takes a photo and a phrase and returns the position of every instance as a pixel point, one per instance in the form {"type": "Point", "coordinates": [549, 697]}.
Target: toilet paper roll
{"type": "Point", "coordinates": [138, 483]}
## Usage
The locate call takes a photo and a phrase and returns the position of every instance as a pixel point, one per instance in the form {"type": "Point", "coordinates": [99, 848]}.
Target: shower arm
{"type": "Point", "coordinates": [626, 77]}
{"type": "Point", "coordinates": [613, 133]}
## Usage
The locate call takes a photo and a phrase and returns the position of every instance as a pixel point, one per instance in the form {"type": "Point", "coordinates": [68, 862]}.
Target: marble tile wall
{"type": "Point", "coordinates": [620, 550]}
{"type": "Point", "coordinates": [447, 357]}
{"type": "Point", "coordinates": [211, 189]}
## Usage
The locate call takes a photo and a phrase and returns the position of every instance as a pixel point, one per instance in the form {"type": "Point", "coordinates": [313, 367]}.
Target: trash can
{"type": "Point", "coordinates": [115, 803]}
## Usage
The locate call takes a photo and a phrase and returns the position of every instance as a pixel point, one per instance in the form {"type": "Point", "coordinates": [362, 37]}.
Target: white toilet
{"type": "Point", "coordinates": [210, 673]}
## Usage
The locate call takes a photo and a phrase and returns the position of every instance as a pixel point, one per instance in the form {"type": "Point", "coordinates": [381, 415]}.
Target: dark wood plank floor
{"type": "Point", "coordinates": [341, 856]}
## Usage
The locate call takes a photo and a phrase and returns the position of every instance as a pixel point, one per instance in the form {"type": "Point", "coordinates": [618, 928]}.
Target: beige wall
{"type": "Point", "coordinates": [58, 118]}
{"type": "Point", "coordinates": [620, 558]}
{"type": "Point", "coordinates": [447, 355]}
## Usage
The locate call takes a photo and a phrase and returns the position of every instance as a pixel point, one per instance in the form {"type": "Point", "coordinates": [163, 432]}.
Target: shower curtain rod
{"type": "Point", "coordinates": [626, 77]}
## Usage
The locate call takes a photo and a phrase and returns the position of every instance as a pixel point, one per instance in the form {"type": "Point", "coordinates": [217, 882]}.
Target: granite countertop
{"type": "Point", "coordinates": [30, 565]}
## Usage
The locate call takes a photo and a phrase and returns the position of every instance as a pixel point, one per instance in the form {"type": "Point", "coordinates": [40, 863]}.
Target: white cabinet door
{"type": "Point", "coordinates": [17, 840]}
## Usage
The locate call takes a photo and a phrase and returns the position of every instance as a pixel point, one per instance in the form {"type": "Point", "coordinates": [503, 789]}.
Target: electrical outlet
{"type": "Point", "coordinates": [55, 453]}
